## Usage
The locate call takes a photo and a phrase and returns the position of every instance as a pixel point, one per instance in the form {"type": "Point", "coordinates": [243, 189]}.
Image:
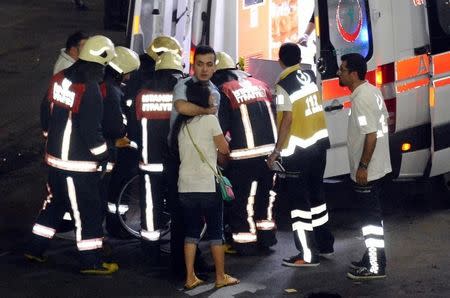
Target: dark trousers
{"type": "Point", "coordinates": [79, 193]}
{"type": "Point", "coordinates": [368, 197]}
{"type": "Point", "coordinates": [309, 213]}
{"type": "Point", "coordinates": [252, 182]}
{"type": "Point", "coordinates": [125, 168]}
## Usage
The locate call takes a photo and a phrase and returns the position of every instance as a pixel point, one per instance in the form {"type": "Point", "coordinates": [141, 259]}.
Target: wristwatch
{"type": "Point", "coordinates": [362, 165]}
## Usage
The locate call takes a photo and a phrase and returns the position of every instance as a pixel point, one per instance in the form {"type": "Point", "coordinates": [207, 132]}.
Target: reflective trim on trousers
{"type": "Point", "coordinates": [75, 211]}
{"type": "Point", "coordinates": [265, 225]}
{"type": "Point", "coordinates": [320, 221]}
{"type": "Point", "coordinates": [43, 231]}
{"type": "Point", "coordinates": [151, 235]}
{"type": "Point", "coordinates": [113, 209]}
{"type": "Point", "coordinates": [373, 242]}
{"type": "Point", "coordinates": [152, 167]}
{"type": "Point", "coordinates": [250, 207]}
{"type": "Point", "coordinates": [75, 165]}
{"type": "Point", "coordinates": [307, 255]}
{"type": "Point", "coordinates": [90, 244]}
{"type": "Point", "coordinates": [372, 230]}
{"type": "Point", "coordinates": [244, 237]}
{"type": "Point", "coordinates": [100, 149]}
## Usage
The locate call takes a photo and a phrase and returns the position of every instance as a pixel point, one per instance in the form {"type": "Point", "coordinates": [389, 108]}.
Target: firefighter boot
{"type": "Point", "coordinates": [36, 248]}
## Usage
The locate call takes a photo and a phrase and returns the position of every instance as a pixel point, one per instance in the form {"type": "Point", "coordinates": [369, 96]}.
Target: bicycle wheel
{"type": "Point", "coordinates": [131, 219]}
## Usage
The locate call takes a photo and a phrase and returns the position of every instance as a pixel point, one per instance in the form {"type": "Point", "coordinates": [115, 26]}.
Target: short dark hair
{"type": "Point", "coordinates": [290, 54]}
{"type": "Point", "coordinates": [203, 50]}
{"type": "Point", "coordinates": [356, 62]}
{"type": "Point", "coordinates": [74, 39]}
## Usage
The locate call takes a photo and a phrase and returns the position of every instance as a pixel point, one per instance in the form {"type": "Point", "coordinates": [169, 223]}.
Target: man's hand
{"type": "Point", "coordinates": [211, 110]}
{"type": "Point", "coordinates": [361, 176]}
{"type": "Point", "coordinates": [271, 159]}
{"type": "Point", "coordinates": [303, 40]}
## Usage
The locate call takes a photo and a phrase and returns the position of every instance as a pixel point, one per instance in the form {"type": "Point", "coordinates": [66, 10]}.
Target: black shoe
{"type": "Point", "coordinates": [298, 261]}
{"type": "Point", "coordinates": [362, 273]}
{"type": "Point", "coordinates": [363, 263]}
{"type": "Point", "coordinates": [357, 264]}
{"type": "Point", "coordinates": [327, 254]}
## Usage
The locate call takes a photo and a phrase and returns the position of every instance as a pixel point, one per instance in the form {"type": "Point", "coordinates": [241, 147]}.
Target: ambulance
{"type": "Point", "coordinates": [406, 44]}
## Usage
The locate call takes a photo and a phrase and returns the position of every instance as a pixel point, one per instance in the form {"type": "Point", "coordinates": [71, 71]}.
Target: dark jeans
{"type": "Point", "coordinates": [200, 207]}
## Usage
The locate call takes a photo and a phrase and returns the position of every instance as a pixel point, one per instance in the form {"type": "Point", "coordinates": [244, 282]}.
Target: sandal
{"type": "Point", "coordinates": [195, 284]}
{"type": "Point", "coordinates": [228, 281]}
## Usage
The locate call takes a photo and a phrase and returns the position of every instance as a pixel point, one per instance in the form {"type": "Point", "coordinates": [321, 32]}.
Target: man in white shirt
{"type": "Point", "coordinates": [70, 53]}
{"type": "Point", "coordinates": [368, 149]}
{"type": "Point", "coordinates": [204, 68]}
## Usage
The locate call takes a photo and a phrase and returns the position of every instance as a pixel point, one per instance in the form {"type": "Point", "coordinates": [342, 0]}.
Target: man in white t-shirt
{"type": "Point", "coordinates": [204, 68]}
{"type": "Point", "coordinates": [368, 149]}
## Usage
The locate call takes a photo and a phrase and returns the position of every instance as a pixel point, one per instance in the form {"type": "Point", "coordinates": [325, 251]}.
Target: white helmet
{"type": "Point", "coordinates": [162, 44]}
{"type": "Point", "coordinates": [224, 61]}
{"type": "Point", "coordinates": [98, 49]}
{"type": "Point", "coordinates": [169, 60]}
{"type": "Point", "coordinates": [126, 60]}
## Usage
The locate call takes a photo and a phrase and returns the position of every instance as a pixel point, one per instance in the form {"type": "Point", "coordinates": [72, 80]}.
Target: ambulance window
{"type": "Point", "coordinates": [443, 13]}
{"type": "Point", "coordinates": [347, 30]}
{"type": "Point", "coordinates": [439, 25]}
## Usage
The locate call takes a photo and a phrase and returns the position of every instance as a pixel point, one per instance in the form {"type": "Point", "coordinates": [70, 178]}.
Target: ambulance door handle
{"type": "Point", "coordinates": [333, 107]}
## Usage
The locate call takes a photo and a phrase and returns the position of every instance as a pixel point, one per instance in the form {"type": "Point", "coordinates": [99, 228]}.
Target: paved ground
{"type": "Point", "coordinates": [32, 32]}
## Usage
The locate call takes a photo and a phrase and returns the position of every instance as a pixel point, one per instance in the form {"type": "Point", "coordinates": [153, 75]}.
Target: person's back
{"type": "Point", "coordinates": [196, 175]}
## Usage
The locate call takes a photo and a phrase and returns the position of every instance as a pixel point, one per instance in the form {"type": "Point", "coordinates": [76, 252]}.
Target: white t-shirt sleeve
{"type": "Point", "coordinates": [283, 101]}
{"type": "Point", "coordinates": [214, 125]}
{"type": "Point", "coordinates": [366, 113]}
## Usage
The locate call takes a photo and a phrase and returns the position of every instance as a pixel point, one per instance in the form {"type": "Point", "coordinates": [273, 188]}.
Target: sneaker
{"type": "Point", "coordinates": [298, 261]}
{"type": "Point", "coordinates": [357, 264]}
{"type": "Point", "coordinates": [363, 273]}
{"type": "Point", "coordinates": [33, 258]}
{"type": "Point", "coordinates": [327, 254]}
{"type": "Point", "coordinates": [106, 268]}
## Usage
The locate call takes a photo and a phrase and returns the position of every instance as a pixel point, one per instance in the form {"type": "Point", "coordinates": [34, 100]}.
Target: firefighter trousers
{"type": "Point", "coordinates": [250, 215]}
{"type": "Point", "coordinates": [309, 212]}
{"type": "Point", "coordinates": [78, 192]}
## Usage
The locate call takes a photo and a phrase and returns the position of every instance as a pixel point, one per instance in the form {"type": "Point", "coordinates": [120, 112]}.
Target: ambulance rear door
{"type": "Point", "coordinates": [344, 27]}
{"type": "Point", "coordinates": [439, 31]}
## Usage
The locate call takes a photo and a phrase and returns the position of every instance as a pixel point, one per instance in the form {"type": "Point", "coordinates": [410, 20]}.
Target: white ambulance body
{"type": "Point", "coordinates": [406, 44]}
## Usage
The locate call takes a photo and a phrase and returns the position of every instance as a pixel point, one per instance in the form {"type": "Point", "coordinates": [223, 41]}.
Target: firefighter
{"type": "Point", "coordinates": [247, 116]}
{"type": "Point", "coordinates": [114, 129]}
{"type": "Point", "coordinates": [153, 106]}
{"type": "Point", "coordinates": [302, 143]}
{"type": "Point", "coordinates": [126, 166]}
{"type": "Point", "coordinates": [76, 152]}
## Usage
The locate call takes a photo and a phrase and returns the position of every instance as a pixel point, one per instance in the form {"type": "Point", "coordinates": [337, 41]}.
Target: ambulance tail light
{"type": "Point", "coordinates": [385, 81]}
{"type": "Point", "coordinates": [406, 147]}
